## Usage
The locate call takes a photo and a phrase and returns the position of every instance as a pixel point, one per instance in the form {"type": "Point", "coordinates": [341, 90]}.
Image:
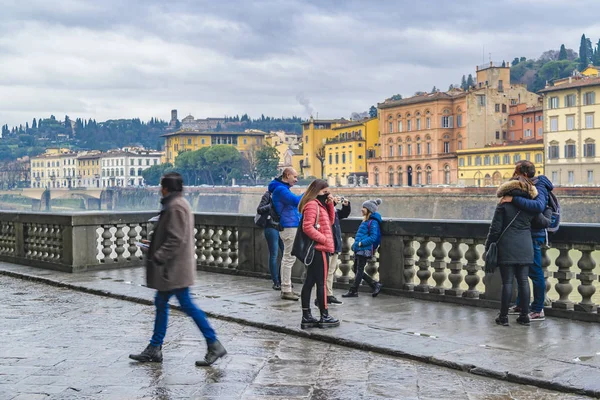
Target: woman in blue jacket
{"type": "Point", "coordinates": [365, 245]}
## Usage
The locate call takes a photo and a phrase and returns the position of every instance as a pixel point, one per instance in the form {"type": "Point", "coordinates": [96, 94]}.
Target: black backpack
{"type": "Point", "coordinates": [554, 205]}
{"type": "Point", "coordinates": [266, 216]}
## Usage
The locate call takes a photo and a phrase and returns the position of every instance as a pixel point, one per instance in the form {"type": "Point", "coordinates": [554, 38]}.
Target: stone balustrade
{"type": "Point", "coordinates": [437, 260]}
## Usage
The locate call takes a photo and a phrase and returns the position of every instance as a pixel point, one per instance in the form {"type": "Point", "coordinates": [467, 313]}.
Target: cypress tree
{"type": "Point", "coordinates": [584, 56]}
{"type": "Point", "coordinates": [562, 54]}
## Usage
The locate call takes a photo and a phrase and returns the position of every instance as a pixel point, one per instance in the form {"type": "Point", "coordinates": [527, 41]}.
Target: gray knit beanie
{"type": "Point", "coordinates": [372, 205]}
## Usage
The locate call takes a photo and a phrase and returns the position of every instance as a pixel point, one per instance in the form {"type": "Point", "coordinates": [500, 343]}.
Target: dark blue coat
{"type": "Point", "coordinates": [285, 203]}
{"type": "Point", "coordinates": [537, 205]}
{"type": "Point", "coordinates": [369, 234]}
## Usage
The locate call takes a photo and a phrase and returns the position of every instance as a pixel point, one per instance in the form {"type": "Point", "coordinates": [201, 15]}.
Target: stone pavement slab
{"type": "Point", "coordinates": [83, 354]}
{"type": "Point", "coordinates": [557, 353]}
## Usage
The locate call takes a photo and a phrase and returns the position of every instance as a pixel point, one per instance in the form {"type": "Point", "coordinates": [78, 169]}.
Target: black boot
{"type": "Point", "coordinates": [376, 289]}
{"type": "Point", "coordinates": [352, 292]}
{"type": "Point", "coordinates": [214, 352]}
{"type": "Point", "coordinates": [150, 354]}
{"type": "Point", "coordinates": [327, 321]}
{"type": "Point", "coordinates": [502, 320]}
{"type": "Point", "coordinates": [523, 320]}
{"type": "Point", "coordinates": [308, 321]}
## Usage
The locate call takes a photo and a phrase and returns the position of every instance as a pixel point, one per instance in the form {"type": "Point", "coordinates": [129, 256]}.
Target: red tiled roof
{"type": "Point", "coordinates": [575, 83]}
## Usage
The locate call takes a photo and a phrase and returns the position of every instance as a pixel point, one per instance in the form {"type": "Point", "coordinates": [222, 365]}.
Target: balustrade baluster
{"type": "Point", "coordinates": [216, 247]}
{"type": "Point", "coordinates": [56, 243]}
{"type": "Point", "coordinates": [198, 237]}
{"type": "Point", "coordinates": [44, 237]}
{"type": "Point", "coordinates": [106, 243]}
{"type": "Point", "coordinates": [455, 267]}
{"type": "Point", "coordinates": [472, 279]}
{"type": "Point", "coordinates": [423, 273]}
{"type": "Point", "coordinates": [132, 238]}
{"type": "Point", "coordinates": [546, 262]}
{"type": "Point", "coordinates": [564, 276]}
{"type": "Point", "coordinates": [587, 277]}
{"type": "Point", "coordinates": [372, 266]}
{"type": "Point", "coordinates": [233, 248]}
{"type": "Point", "coordinates": [206, 260]}
{"type": "Point", "coordinates": [439, 266]}
{"type": "Point", "coordinates": [409, 265]}
{"type": "Point", "coordinates": [224, 253]}
{"type": "Point", "coordinates": [119, 243]}
{"type": "Point", "coordinates": [345, 260]}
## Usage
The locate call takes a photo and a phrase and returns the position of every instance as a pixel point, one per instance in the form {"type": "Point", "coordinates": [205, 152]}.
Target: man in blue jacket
{"type": "Point", "coordinates": [286, 203]}
{"type": "Point", "coordinates": [539, 235]}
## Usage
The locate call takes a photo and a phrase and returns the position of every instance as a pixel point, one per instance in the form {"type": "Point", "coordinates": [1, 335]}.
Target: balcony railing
{"type": "Point", "coordinates": [438, 260]}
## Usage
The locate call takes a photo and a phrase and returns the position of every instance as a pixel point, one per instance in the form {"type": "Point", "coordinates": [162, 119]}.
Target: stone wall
{"type": "Point", "coordinates": [578, 204]}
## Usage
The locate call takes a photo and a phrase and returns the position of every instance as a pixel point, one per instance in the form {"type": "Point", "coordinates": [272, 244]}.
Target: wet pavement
{"type": "Point", "coordinates": [556, 353]}
{"type": "Point", "coordinates": [59, 343]}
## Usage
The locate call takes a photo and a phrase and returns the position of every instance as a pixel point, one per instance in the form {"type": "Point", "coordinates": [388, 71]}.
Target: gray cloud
{"type": "Point", "coordinates": [144, 57]}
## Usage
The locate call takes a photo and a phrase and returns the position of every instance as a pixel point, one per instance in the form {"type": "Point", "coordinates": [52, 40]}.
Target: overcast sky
{"type": "Point", "coordinates": [142, 58]}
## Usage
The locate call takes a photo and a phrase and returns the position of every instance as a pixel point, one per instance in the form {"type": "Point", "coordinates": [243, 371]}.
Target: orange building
{"type": "Point", "coordinates": [419, 139]}
{"type": "Point", "coordinates": [525, 123]}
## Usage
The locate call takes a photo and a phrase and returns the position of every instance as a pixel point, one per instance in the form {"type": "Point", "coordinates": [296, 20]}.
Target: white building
{"type": "Point", "coordinates": [124, 167]}
{"type": "Point", "coordinates": [57, 168]}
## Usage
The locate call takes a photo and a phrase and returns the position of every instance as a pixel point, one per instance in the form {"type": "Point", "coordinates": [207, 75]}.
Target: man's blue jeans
{"type": "Point", "coordinates": [161, 300]}
{"type": "Point", "coordinates": [275, 246]}
{"type": "Point", "coordinates": [536, 274]}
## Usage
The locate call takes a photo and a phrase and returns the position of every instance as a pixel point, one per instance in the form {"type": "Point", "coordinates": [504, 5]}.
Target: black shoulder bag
{"type": "Point", "coordinates": [491, 255]}
{"type": "Point", "coordinates": [304, 247]}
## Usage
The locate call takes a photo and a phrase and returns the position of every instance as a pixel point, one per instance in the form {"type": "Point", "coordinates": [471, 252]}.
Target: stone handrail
{"type": "Point", "coordinates": [428, 259]}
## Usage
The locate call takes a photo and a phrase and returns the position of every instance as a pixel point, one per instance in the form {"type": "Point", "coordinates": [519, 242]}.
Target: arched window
{"type": "Point", "coordinates": [132, 171]}
{"type": "Point", "coordinates": [419, 176]}
{"type": "Point", "coordinates": [391, 176]}
{"type": "Point", "coordinates": [418, 145]}
{"type": "Point", "coordinates": [428, 174]}
{"type": "Point", "coordinates": [376, 175]}
{"type": "Point", "coordinates": [400, 176]}
{"type": "Point", "coordinates": [140, 171]}
{"type": "Point", "coordinates": [408, 147]}
{"type": "Point", "coordinates": [446, 174]}
{"type": "Point", "coordinates": [446, 144]}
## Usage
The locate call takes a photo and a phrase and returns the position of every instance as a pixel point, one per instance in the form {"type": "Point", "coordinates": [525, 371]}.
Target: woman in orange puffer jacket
{"type": "Point", "coordinates": [318, 216]}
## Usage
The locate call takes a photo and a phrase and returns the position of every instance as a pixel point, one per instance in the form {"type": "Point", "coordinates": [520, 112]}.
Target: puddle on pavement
{"type": "Point", "coordinates": [584, 358]}
{"type": "Point", "coordinates": [422, 334]}
{"type": "Point", "coordinates": [106, 278]}
{"type": "Point", "coordinates": [247, 304]}
{"type": "Point", "coordinates": [19, 294]}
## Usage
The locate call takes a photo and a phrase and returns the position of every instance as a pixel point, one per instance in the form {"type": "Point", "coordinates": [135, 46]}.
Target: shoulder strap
{"type": "Point", "coordinates": [508, 226]}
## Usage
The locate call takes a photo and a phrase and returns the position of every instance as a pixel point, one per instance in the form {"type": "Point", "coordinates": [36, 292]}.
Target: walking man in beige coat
{"type": "Point", "coordinates": [171, 269]}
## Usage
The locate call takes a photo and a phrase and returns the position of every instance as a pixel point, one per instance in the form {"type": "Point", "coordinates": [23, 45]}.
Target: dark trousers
{"type": "Point", "coordinates": [508, 272]}
{"type": "Point", "coordinates": [316, 273]}
{"type": "Point", "coordinates": [536, 274]}
{"type": "Point", "coordinates": [161, 300]}
{"type": "Point", "coordinates": [360, 262]}
{"type": "Point", "coordinates": [275, 247]}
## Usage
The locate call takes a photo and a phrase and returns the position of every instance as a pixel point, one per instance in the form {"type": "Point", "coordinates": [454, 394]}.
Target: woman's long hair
{"type": "Point", "coordinates": [311, 193]}
{"type": "Point", "coordinates": [524, 171]}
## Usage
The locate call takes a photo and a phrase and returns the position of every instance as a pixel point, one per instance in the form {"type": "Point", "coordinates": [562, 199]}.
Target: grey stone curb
{"type": "Point", "coordinates": [472, 369]}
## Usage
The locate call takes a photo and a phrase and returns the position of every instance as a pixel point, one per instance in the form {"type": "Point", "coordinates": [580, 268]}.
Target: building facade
{"type": "Point", "coordinates": [525, 123]}
{"type": "Point", "coordinates": [419, 137]}
{"type": "Point", "coordinates": [191, 140]}
{"type": "Point", "coordinates": [492, 165]}
{"type": "Point", "coordinates": [347, 153]}
{"type": "Point", "coordinates": [122, 168]}
{"type": "Point", "coordinates": [314, 137]}
{"type": "Point", "coordinates": [88, 169]}
{"type": "Point", "coordinates": [56, 168]}
{"type": "Point", "coordinates": [571, 131]}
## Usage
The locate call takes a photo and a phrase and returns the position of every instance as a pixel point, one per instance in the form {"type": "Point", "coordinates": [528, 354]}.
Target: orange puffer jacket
{"type": "Point", "coordinates": [323, 236]}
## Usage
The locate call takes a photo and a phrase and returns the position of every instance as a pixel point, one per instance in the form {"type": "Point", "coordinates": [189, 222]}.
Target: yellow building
{"type": "Point", "coordinates": [347, 153]}
{"type": "Point", "coordinates": [571, 131]}
{"type": "Point", "coordinates": [314, 137]}
{"type": "Point", "coordinates": [591, 70]}
{"type": "Point", "coordinates": [490, 166]}
{"type": "Point", "coordinates": [188, 140]}
{"type": "Point", "coordinates": [88, 169]}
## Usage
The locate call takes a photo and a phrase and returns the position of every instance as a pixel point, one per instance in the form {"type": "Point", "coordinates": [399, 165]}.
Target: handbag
{"type": "Point", "coordinates": [491, 255]}
{"type": "Point", "coordinates": [304, 247]}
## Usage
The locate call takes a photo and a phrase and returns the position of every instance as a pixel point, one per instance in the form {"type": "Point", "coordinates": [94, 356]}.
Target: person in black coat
{"type": "Point", "coordinates": [511, 230]}
{"type": "Point", "coordinates": [342, 213]}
